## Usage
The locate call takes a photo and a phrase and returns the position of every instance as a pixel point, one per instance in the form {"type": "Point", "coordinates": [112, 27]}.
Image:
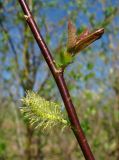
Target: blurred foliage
{"type": "Point", "coordinates": [93, 79]}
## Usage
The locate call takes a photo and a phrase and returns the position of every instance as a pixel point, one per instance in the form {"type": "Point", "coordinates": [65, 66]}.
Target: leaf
{"type": "Point", "coordinates": [71, 35]}
{"type": "Point", "coordinates": [89, 76]}
{"type": "Point", "coordinates": [78, 43]}
{"type": "Point", "coordinates": [90, 66]}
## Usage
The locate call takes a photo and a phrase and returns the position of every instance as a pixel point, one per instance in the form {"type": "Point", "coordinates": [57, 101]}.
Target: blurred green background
{"type": "Point", "coordinates": [93, 79]}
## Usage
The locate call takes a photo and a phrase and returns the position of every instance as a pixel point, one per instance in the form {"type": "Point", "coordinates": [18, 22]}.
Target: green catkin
{"type": "Point", "coordinates": [42, 113]}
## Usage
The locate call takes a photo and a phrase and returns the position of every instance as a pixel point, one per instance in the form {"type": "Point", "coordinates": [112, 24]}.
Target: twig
{"type": "Point", "coordinates": [58, 76]}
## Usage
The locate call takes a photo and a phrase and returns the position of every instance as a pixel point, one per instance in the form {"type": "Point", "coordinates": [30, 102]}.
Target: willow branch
{"type": "Point", "coordinates": [58, 76]}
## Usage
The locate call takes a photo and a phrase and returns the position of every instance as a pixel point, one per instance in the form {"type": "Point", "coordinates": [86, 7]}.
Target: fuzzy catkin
{"type": "Point", "coordinates": [42, 113]}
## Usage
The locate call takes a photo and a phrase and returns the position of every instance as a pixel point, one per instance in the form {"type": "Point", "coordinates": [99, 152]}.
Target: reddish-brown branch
{"type": "Point", "coordinates": [58, 76]}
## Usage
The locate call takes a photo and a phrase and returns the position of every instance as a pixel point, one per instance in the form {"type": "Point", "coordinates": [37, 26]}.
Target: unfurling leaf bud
{"type": "Point", "coordinates": [77, 43]}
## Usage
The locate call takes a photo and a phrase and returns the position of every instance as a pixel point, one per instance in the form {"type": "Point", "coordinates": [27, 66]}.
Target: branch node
{"type": "Point", "coordinates": [59, 71]}
{"type": "Point", "coordinates": [27, 17]}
